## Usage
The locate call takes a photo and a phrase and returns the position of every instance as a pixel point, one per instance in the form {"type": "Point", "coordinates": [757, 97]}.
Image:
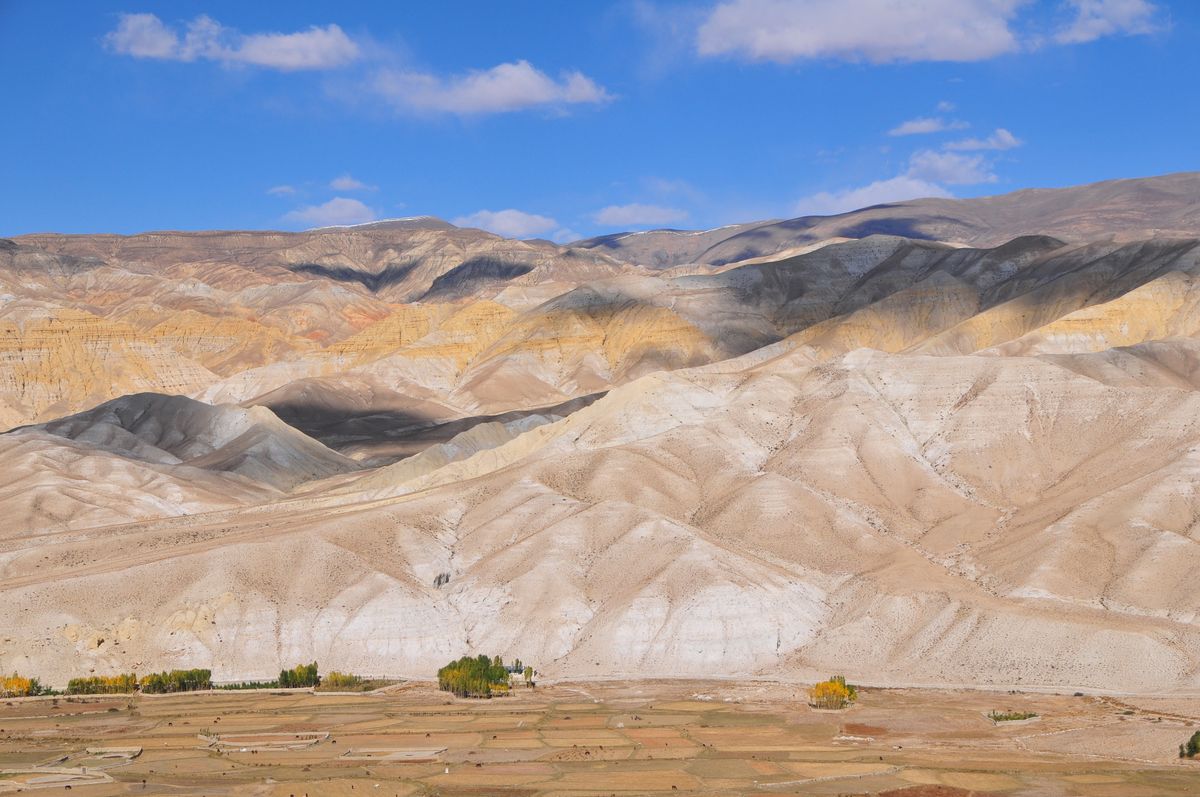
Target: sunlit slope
{"type": "Point", "coordinates": [909, 519]}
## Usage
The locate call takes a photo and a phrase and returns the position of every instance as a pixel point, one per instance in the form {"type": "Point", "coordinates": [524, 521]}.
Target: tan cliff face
{"type": "Point", "coordinates": [909, 460]}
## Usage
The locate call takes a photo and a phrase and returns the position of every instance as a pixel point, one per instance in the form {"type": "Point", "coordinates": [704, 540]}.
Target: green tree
{"type": "Point", "coordinates": [1191, 748]}
{"type": "Point", "coordinates": [300, 676]}
{"type": "Point", "coordinates": [474, 677]}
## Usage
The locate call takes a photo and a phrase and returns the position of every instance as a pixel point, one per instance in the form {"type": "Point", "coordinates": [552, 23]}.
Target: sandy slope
{"type": "Point", "coordinates": [916, 519]}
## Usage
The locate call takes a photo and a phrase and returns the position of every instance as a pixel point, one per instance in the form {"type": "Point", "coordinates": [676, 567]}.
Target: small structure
{"type": "Point", "coordinates": [395, 755]}
{"type": "Point", "coordinates": [246, 742]}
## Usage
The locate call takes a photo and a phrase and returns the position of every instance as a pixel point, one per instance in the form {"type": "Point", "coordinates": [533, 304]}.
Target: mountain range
{"type": "Point", "coordinates": [930, 442]}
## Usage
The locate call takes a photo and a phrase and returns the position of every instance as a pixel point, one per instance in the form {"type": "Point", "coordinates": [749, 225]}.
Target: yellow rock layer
{"type": "Point", "coordinates": [57, 361]}
{"type": "Point", "coordinates": [224, 345]}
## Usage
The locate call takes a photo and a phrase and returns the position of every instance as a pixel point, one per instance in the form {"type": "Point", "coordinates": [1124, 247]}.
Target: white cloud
{"type": "Point", "coordinates": [926, 124]}
{"type": "Point", "coordinates": [1095, 19]}
{"type": "Point", "coordinates": [879, 192]}
{"type": "Point", "coordinates": [509, 223]}
{"type": "Point", "coordinates": [950, 168]}
{"type": "Point", "coordinates": [337, 211]}
{"type": "Point", "coordinates": [638, 215]}
{"type": "Point", "coordinates": [281, 190]}
{"type": "Point", "coordinates": [315, 48]}
{"type": "Point", "coordinates": [928, 174]}
{"type": "Point", "coordinates": [143, 36]}
{"type": "Point", "coordinates": [348, 183]}
{"type": "Point", "coordinates": [146, 36]}
{"type": "Point", "coordinates": [1000, 139]}
{"type": "Point", "coordinates": [876, 31]}
{"type": "Point", "coordinates": [945, 106]}
{"type": "Point", "coordinates": [505, 87]}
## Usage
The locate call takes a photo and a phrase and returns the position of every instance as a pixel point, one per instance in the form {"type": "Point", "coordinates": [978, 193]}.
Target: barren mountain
{"type": "Point", "coordinates": [1120, 210]}
{"type": "Point", "coordinates": [914, 461]}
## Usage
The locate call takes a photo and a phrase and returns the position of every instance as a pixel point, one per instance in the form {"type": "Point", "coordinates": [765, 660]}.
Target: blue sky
{"type": "Point", "coordinates": [567, 119]}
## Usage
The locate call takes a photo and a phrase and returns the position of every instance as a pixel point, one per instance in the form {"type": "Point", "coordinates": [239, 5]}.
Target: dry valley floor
{"type": "Point", "coordinates": [604, 738]}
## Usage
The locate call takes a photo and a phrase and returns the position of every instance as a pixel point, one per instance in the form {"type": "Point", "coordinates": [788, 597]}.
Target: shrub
{"type": "Point", "coordinates": [834, 693]}
{"type": "Point", "coordinates": [250, 685]}
{"type": "Point", "coordinates": [1191, 747]}
{"type": "Point", "coordinates": [341, 680]}
{"type": "Point", "coordinates": [474, 677]}
{"type": "Point", "coordinates": [177, 681]}
{"type": "Point", "coordinates": [103, 685]}
{"type": "Point", "coordinates": [1010, 716]}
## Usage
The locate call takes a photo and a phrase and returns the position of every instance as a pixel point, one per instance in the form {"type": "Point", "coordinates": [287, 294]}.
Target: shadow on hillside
{"type": "Point", "coordinates": [382, 436]}
{"type": "Point", "coordinates": [374, 282]}
{"type": "Point", "coordinates": [473, 274]}
{"type": "Point", "coordinates": [759, 241]}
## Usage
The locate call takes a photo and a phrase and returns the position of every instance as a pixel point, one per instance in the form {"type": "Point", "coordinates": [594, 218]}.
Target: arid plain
{"type": "Point", "coordinates": [577, 739]}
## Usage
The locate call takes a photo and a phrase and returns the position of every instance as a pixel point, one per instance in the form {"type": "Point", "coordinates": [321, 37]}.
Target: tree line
{"type": "Point", "coordinates": [165, 682]}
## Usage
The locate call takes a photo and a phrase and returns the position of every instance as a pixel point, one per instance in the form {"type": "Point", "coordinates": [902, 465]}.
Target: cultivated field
{"type": "Point", "coordinates": [598, 739]}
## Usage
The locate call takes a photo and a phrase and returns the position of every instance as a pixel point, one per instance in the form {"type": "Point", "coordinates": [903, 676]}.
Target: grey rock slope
{"type": "Point", "coordinates": [175, 430]}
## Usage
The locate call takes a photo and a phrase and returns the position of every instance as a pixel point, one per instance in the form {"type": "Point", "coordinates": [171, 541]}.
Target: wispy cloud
{"type": "Point", "coordinates": [928, 174]}
{"type": "Point", "coordinates": [897, 31]}
{"type": "Point", "coordinates": [510, 223]}
{"type": "Point", "coordinates": [950, 168]}
{"type": "Point", "coordinates": [638, 215]}
{"type": "Point", "coordinates": [339, 210]}
{"type": "Point", "coordinates": [876, 31]}
{"type": "Point", "coordinates": [147, 36]}
{"type": "Point", "coordinates": [926, 124]}
{"type": "Point", "coordinates": [281, 190]}
{"type": "Point", "coordinates": [1095, 19]}
{"type": "Point", "coordinates": [880, 192]}
{"type": "Point", "coordinates": [504, 88]}
{"type": "Point", "coordinates": [348, 183]}
{"type": "Point", "coordinates": [1000, 139]}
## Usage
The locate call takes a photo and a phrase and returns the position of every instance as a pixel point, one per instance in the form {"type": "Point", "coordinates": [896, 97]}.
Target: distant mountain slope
{"type": "Point", "coordinates": [665, 248]}
{"type": "Point", "coordinates": [397, 260]}
{"type": "Point", "coordinates": [1122, 210]}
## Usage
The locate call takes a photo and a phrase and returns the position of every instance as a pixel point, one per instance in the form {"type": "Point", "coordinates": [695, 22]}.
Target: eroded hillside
{"type": "Point", "coordinates": [909, 460]}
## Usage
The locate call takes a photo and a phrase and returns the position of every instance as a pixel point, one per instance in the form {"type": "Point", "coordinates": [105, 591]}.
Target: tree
{"type": "Point", "coordinates": [474, 677]}
{"type": "Point", "coordinates": [302, 675]}
{"type": "Point", "coordinates": [19, 686]}
{"type": "Point", "coordinates": [103, 685]}
{"type": "Point", "coordinates": [177, 681]}
{"type": "Point", "coordinates": [528, 674]}
{"type": "Point", "coordinates": [834, 693]}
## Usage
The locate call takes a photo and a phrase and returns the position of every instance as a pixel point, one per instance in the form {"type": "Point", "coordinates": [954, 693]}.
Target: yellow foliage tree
{"type": "Point", "coordinates": [16, 686]}
{"type": "Point", "coordinates": [832, 694]}
{"type": "Point", "coordinates": [103, 684]}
